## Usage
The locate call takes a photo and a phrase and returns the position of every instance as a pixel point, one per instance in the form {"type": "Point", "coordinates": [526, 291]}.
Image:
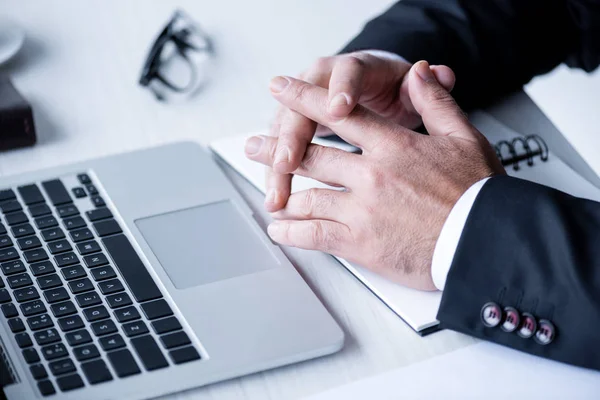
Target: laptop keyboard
{"type": "Point", "coordinates": [81, 304]}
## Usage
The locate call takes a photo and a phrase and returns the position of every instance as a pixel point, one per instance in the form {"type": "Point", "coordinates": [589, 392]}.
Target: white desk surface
{"type": "Point", "coordinates": [79, 69]}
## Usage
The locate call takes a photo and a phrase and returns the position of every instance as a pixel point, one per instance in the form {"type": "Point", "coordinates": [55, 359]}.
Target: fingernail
{"type": "Point", "coordinates": [253, 145]}
{"type": "Point", "coordinates": [282, 155]}
{"type": "Point", "coordinates": [271, 196]}
{"type": "Point", "coordinates": [424, 72]}
{"type": "Point", "coordinates": [278, 84]}
{"type": "Point", "coordinates": [339, 100]}
{"type": "Point", "coordinates": [273, 230]}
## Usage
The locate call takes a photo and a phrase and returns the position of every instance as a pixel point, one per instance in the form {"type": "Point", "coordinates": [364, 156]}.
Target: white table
{"type": "Point", "coordinates": [79, 69]}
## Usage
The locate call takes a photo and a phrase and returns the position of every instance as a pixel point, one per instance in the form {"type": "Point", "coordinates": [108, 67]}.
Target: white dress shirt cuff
{"type": "Point", "coordinates": [385, 55]}
{"type": "Point", "coordinates": [447, 243]}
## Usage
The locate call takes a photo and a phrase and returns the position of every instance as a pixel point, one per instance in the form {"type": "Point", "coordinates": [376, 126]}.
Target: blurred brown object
{"type": "Point", "coordinates": [16, 118]}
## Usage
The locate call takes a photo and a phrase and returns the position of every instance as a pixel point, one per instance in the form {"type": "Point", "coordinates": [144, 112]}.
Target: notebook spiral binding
{"type": "Point", "coordinates": [524, 148]}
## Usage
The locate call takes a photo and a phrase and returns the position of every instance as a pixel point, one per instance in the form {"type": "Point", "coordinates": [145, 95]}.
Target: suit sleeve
{"type": "Point", "coordinates": [534, 250]}
{"type": "Point", "coordinates": [493, 46]}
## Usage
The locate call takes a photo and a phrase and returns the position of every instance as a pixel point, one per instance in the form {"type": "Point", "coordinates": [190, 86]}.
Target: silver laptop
{"type": "Point", "coordinates": [143, 274]}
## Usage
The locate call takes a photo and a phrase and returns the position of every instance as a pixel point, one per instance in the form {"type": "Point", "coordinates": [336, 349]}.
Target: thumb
{"type": "Point", "coordinates": [440, 113]}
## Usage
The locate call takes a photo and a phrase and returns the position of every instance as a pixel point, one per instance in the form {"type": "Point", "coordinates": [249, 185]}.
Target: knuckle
{"type": "Point", "coordinates": [308, 203]}
{"type": "Point", "coordinates": [319, 235]}
{"type": "Point", "coordinates": [321, 64]}
{"type": "Point", "coordinates": [353, 62]}
{"type": "Point", "coordinates": [298, 92]}
{"type": "Point", "coordinates": [311, 158]}
{"type": "Point", "coordinates": [374, 176]}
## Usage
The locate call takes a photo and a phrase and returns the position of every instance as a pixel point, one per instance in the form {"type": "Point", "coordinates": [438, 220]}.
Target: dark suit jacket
{"type": "Point", "coordinates": [524, 245]}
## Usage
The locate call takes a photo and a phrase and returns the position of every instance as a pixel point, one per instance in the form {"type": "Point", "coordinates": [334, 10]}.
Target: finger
{"type": "Point", "coordinates": [345, 85]}
{"type": "Point", "coordinates": [328, 236]}
{"type": "Point", "coordinates": [445, 76]}
{"type": "Point", "coordinates": [279, 187]}
{"type": "Point", "coordinates": [327, 204]}
{"type": "Point", "coordinates": [295, 130]}
{"type": "Point", "coordinates": [311, 101]}
{"type": "Point", "coordinates": [440, 113]}
{"type": "Point", "coordinates": [324, 164]}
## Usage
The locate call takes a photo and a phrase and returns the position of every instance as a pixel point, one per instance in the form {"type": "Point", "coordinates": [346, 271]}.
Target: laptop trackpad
{"type": "Point", "coordinates": [205, 244]}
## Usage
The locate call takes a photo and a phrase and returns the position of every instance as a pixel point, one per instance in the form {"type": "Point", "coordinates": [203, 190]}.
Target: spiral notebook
{"type": "Point", "coordinates": [528, 153]}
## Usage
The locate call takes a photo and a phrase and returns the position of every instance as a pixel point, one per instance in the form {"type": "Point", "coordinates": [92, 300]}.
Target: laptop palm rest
{"type": "Point", "coordinates": [205, 244]}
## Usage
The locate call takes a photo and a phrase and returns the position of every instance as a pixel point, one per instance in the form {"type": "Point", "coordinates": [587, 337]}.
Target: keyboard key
{"type": "Point", "coordinates": [38, 372]}
{"type": "Point", "coordinates": [127, 314]}
{"type": "Point", "coordinates": [22, 230]}
{"type": "Point", "coordinates": [78, 192]}
{"type": "Point", "coordinates": [49, 281]}
{"type": "Point", "coordinates": [175, 339]}
{"type": "Point", "coordinates": [5, 241]}
{"type": "Point", "coordinates": [16, 325]}
{"type": "Point", "coordinates": [23, 340]}
{"type": "Point", "coordinates": [79, 337]}
{"type": "Point", "coordinates": [8, 254]}
{"type": "Point", "coordinates": [31, 194]}
{"type": "Point", "coordinates": [61, 367]}
{"type": "Point", "coordinates": [28, 243]}
{"type": "Point", "coordinates": [56, 295]}
{"type": "Point", "coordinates": [57, 192]}
{"type": "Point", "coordinates": [45, 222]}
{"type": "Point", "coordinates": [88, 299]}
{"type": "Point", "coordinates": [107, 227]}
{"type": "Point", "coordinates": [101, 328]}
{"type": "Point", "coordinates": [91, 190]}
{"type": "Point", "coordinates": [12, 267]}
{"type": "Point", "coordinates": [2, 229]}
{"type": "Point", "coordinates": [156, 309]}
{"type": "Point", "coordinates": [96, 372]}
{"type": "Point", "coordinates": [84, 179]}
{"type": "Point", "coordinates": [9, 310]}
{"type": "Point", "coordinates": [98, 201]}
{"type": "Point", "coordinates": [88, 247]}
{"type": "Point", "coordinates": [19, 281]}
{"type": "Point", "coordinates": [98, 214]}
{"type": "Point", "coordinates": [46, 388]}
{"type": "Point", "coordinates": [81, 235]}
{"type": "Point", "coordinates": [70, 323]}
{"type": "Point", "coordinates": [101, 273]}
{"type": "Point", "coordinates": [59, 246]}
{"type": "Point", "coordinates": [40, 322]}
{"type": "Point", "coordinates": [62, 260]}
{"type": "Point", "coordinates": [95, 313]}
{"type": "Point", "coordinates": [134, 272]}
{"type": "Point", "coordinates": [7, 194]}
{"type": "Point", "coordinates": [35, 255]}
{"type": "Point", "coordinates": [52, 234]}
{"type": "Point", "coordinates": [74, 272]}
{"type": "Point", "coordinates": [69, 382]}
{"type": "Point", "coordinates": [74, 223]}
{"type": "Point", "coordinates": [135, 328]}
{"type": "Point", "coordinates": [26, 294]}
{"type": "Point", "coordinates": [110, 287]}
{"type": "Point", "coordinates": [80, 286]}
{"type": "Point", "coordinates": [119, 300]}
{"type": "Point", "coordinates": [16, 218]}
{"type": "Point", "coordinates": [63, 309]}
{"type": "Point", "coordinates": [31, 356]}
{"type": "Point", "coordinates": [4, 296]}
{"type": "Point", "coordinates": [41, 268]}
{"type": "Point", "coordinates": [2, 285]}
{"type": "Point", "coordinates": [149, 352]}
{"type": "Point", "coordinates": [184, 354]}
{"type": "Point", "coordinates": [95, 260]}
{"type": "Point", "coordinates": [87, 352]}
{"type": "Point", "coordinates": [68, 210]}
{"type": "Point", "coordinates": [38, 210]}
{"type": "Point", "coordinates": [32, 308]}
{"type": "Point", "coordinates": [10, 206]}
{"type": "Point", "coordinates": [111, 342]}
{"type": "Point", "coordinates": [123, 363]}
{"type": "Point", "coordinates": [46, 336]}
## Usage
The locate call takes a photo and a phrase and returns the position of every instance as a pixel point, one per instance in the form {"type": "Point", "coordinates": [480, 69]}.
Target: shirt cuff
{"type": "Point", "coordinates": [447, 243]}
{"type": "Point", "coordinates": [385, 55]}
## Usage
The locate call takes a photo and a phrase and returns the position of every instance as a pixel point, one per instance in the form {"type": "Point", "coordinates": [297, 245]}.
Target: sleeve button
{"type": "Point", "coordinates": [491, 314]}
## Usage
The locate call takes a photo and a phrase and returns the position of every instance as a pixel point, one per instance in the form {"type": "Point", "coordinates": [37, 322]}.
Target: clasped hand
{"type": "Point", "coordinates": [396, 195]}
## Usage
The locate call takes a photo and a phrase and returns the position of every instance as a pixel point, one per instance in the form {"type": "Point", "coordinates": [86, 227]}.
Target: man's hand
{"type": "Point", "coordinates": [398, 192]}
{"type": "Point", "coordinates": [377, 83]}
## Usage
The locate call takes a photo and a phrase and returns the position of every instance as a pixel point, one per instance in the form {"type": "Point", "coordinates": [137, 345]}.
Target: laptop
{"type": "Point", "coordinates": [143, 274]}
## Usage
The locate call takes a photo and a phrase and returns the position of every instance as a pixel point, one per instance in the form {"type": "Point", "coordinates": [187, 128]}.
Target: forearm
{"type": "Point", "coordinates": [535, 249]}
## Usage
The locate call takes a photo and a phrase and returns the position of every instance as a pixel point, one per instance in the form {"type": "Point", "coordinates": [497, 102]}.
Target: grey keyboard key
{"type": "Point", "coordinates": [52, 234]}
{"type": "Point", "coordinates": [42, 268]}
{"type": "Point", "coordinates": [32, 308]}
{"type": "Point", "coordinates": [46, 336]}
{"type": "Point", "coordinates": [63, 309]}
{"type": "Point", "coordinates": [31, 194]}
{"type": "Point", "coordinates": [123, 363]}
{"type": "Point", "coordinates": [57, 192]}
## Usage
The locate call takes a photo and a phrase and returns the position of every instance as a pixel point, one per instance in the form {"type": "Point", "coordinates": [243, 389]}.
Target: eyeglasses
{"type": "Point", "coordinates": [174, 60]}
